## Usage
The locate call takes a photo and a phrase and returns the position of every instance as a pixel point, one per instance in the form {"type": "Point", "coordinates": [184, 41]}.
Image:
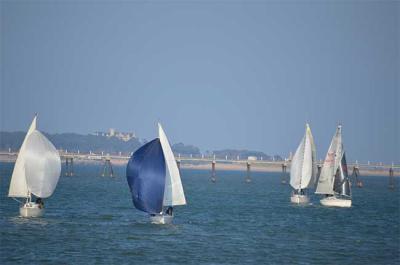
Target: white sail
{"type": "Point", "coordinates": [173, 193]}
{"type": "Point", "coordinates": [331, 164]}
{"type": "Point", "coordinates": [18, 186]}
{"type": "Point", "coordinates": [42, 165]}
{"type": "Point", "coordinates": [314, 159]}
{"type": "Point", "coordinates": [301, 171]}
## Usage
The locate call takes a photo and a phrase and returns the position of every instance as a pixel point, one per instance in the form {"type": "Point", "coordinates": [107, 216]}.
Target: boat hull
{"type": "Point", "coordinates": [161, 219]}
{"type": "Point", "coordinates": [299, 199]}
{"type": "Point", "coordinates": [334, 201]}
{"type": "Point", "coordinates": [31, 209]}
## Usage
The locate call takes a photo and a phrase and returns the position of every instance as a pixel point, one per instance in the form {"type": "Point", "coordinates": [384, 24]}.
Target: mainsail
{"type": "Point", "coordinates": [331, 164]}
{"type": "Point", "coordinates": [173, 193]}
{"type": "Point", "coordinates": [146, 177]}
{"type": "Point", "coordinates": [42, 165]}
{"type": "Point", "coordinates": [303, 168]}
{"type": "Point", "coordinates": [18, 185]}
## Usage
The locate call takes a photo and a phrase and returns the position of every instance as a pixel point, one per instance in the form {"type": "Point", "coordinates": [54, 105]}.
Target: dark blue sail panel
{"type": "Point", "coordinates": [341, 183]}
{"type": "Point", "coordinates": [146, 177]}
{"type": "Point", "coordinates": [346, 184]}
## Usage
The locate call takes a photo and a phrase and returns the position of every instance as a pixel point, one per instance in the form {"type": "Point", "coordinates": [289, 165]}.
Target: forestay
{"type": "Point", "coordinates": [173, 193]}
{"type": "Point", "coordinates": [146, 177]}
{"type": "Point", "coordinates": [331, 164]}
{"type": "Point", "coordinates": [42, 165]}
{"type": "Point", "coordinates": [18, 185]}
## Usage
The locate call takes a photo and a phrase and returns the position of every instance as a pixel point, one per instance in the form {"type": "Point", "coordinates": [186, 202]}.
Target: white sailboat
{"type": "Point", "coordinates": [154, 179]}
{"type": "Point", "coordinates": [36, 172]}
{"type": "Point", "coordinates": [334, 182]}
{"type": "Point", "coordinates": [303, 169]}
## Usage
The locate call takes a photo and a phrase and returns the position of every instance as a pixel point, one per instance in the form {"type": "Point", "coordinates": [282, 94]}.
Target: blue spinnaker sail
{"type": "Point", "coordinates": [146, 177]}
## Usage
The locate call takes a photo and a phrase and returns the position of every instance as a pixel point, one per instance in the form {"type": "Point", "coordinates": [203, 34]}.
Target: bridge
{"type": "Point", "coordinates": [11, 156]}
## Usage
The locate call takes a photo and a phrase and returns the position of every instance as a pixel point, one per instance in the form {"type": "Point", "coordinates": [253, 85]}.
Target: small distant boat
{"type": "Point", "coordinates": [154, 180]}
{"type": "Point", "coordinates": [36, 172]}
{"type": "Point", "coordinates": [334, 182]}
{"type": "Point", "coordinates": [303, 169]}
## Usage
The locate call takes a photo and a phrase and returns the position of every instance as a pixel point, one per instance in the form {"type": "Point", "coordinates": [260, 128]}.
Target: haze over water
{"type": "Point", "coordinates": [91, 220]}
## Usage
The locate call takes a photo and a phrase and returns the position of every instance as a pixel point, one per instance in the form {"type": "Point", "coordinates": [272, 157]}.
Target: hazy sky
{"type": "Point", "coordinates": [217, 74]}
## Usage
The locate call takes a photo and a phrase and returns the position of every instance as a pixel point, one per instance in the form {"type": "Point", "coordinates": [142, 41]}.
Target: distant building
{"type": "Point", "coordinates": [124, 136]}
{"type": "Point", "coordinates": [252, 158]}
{"type": "Point", "coordinates": [111, 132]}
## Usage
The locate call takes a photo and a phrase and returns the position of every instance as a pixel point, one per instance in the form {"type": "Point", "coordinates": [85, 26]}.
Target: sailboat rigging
{"type": "Point", "coordinates": [36, 172]}
{"type": "Point", "coordinates": [154, 179]}
{"type": "Point", "coordinates": [334, 181]}
{"type": "Point", "coordinates": [303, 169]}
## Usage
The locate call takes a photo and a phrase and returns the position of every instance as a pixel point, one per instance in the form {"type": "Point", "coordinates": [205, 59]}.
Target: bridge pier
{"type": "Point", "coordinates": [213, 176]}
{"type": "Point", "coordinates": [284, 175]}
{"type": "Point", "coordinates": [107, 168]}
{"type": "Point", "coordinates": [248, 176]}
{"type": "Point", "coordinates": [391, 178]}
{"type": "Point", "coordinates": [178, 163]}
{"type": "Point", "coordinates": [356, 175]}
{"type": "Point", "coordinates": [69, 166]}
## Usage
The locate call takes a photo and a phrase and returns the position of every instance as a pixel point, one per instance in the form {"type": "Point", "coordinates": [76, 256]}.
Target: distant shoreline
{"type": "Point", "coordinates": [220, 166]}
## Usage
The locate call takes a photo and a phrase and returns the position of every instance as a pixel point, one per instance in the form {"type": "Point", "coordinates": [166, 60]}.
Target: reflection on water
{"type": "Point", "coordinates": [33, 222]}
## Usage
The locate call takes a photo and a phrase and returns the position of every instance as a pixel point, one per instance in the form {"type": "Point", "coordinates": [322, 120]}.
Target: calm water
{"type": "Point", "coordinates": [91, 220]}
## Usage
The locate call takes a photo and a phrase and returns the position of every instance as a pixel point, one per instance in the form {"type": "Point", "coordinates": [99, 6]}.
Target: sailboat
{"type": "Point", "coordinates": [154, 179]}
{"type": "Point", "coordinates": [334, 182]}
{"type": "Point", "coordinates": [303, 169]}
{"type": "Point", "coordinates": [36, 172]}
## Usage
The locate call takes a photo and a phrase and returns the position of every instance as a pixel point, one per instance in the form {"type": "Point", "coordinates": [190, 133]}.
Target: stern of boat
{"type": "Point", "coordinates": [161, 219]}
{"type": "Point", "coordinates": [31, 209]}
{"type": "Point", "coordinates": [299, 199]}
{"type": "Point", "coordinates": [334, 201]}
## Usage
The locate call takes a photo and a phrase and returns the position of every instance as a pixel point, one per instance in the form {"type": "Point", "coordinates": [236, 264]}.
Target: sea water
{"type": "Point", "coordinates": [91, 220]}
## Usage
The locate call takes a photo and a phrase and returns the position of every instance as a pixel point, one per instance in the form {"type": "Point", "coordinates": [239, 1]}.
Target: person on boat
{"type": "Point", "coordinates": [39, 201]}
{"type": "Point", "coordinates": [169, 211]}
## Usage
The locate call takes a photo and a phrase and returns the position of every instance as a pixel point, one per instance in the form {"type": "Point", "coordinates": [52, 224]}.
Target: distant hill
{"type": "Point", "coordinates": [185, 150]}
{"type": "Point", "coordinates": [86, 143]}
{"type": "Point", "coordinates": [74, 142]}
{"type": "Point", "coordinates": [113, 145]}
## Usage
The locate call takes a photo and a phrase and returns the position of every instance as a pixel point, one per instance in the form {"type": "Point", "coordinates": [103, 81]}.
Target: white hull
{"type": "Point", "coordinates": [333, 201]}
{"type": "Point", "coordinates": [31, 209]}
{"type": "Point", "coordinates": [299, 199]}
{"type": "Point", "coordinates": [161, 219]}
